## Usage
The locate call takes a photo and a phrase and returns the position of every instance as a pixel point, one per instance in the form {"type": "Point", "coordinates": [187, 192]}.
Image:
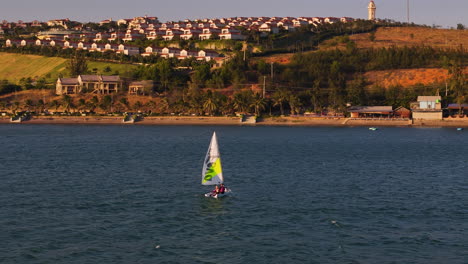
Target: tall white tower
{"type": "Point", "coordinates": [371, 8]}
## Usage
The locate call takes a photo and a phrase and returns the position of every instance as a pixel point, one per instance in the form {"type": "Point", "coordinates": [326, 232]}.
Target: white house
{"type": "Point", "coordinates": [427, 107]}
{"type": "Point", "coordinates": [189, 33]}
{"type": "Point", "coordinates": [229, 33]}
{"type": "Point", "coordinates": [207, 33]}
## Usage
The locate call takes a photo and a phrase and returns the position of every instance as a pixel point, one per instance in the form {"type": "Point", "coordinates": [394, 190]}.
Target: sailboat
{"type": "Point", "coordinates": [212, 173]}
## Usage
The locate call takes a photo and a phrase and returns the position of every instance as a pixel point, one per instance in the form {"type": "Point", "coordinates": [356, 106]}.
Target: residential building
{"type": "Point", "coordinates": [208, 33]}
{"type": "Point", "coordinates": [59, 22]}
{"type": "Point", "coordinates": [67, 86]}
{"type": "Point", "coordinates": [99, 84]}
{"type": "Point", "coordinates": [230, 33]}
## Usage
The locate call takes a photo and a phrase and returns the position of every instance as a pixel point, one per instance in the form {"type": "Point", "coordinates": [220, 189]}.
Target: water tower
{"type": "Point", "coordinates": [371, 8]}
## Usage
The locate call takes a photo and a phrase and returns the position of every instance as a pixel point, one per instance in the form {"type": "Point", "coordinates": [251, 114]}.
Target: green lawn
{"type": "Point", "coordinates": [14, 66]}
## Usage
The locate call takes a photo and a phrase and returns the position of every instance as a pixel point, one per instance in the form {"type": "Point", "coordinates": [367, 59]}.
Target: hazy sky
{"type": "Point", "coordinates": [444, 13]}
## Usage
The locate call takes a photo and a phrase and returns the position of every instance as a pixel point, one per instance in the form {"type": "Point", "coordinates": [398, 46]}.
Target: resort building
{"type": "Point", "coordinates": [99, 84]}
{"type": "Point", "coordinates": [427, 107]}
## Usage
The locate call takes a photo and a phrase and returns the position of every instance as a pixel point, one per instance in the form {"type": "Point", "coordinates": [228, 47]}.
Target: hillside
{"type": "Point", "coordinates": [15, 66]}
{"type": "Point", "coordinates": [399, 37]}
{"type": "Point", "coordinates": [407, 77]}
{"type": "Point", "coordinates": [391, 36]}
{"type": "Point", "coordinates": [406, 36]}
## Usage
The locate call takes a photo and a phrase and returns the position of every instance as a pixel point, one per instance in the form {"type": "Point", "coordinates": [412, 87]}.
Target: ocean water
{"type": "Point", "coordinates": [132, 194]}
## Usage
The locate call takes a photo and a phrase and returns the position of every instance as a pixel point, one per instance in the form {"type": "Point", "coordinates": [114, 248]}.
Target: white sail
{"type": "Point", "coordinates": [212, 171]}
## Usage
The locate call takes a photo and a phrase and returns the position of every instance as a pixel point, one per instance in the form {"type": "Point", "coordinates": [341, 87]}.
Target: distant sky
{"type": "Point", "coordinates": [446, 13]}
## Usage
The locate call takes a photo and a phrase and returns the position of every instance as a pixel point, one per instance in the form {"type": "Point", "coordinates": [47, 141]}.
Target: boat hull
{"type": "Point", "coordinates": [219, 195]}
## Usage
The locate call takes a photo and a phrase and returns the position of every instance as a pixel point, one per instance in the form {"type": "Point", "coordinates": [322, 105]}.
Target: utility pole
{"type": "Point", "coordinates": [408, 11]}
{"type": "Point", "coordinates": [271, 71]}
{"type": "Point", "coordinates": [264, 84]}
{"type": "Point", "coordinates": [446, 87]}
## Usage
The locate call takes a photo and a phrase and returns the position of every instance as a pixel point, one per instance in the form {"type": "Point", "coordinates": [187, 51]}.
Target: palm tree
{"type": "Point", "coordinates": [119, 107]}
{"type": "Point", "coordinates": [280, 97]}
{"type": "Point", "coordinates": [28, 104]}
{"type": "Point", "coordinates": [41, 104]}
{"type": "Point", "coordinates": [164, 105]}
{"type": "Point", "coordinates": [210, 106]}
{"type": "Point", "coordinates": [458, 83]}
{"type": "Point", "coordinates": [259, 104]}
{"type": "Point", "coordinates": [82, 104]}
{"type": "Point", "coordinates": [14, 106]}
{"type": "Point", "coordinates": [315, 97]}
{"type": "Point", "coordinates": [195, 100]}
{"type": "Point", "coordinates": [3, 105]}
{"type": "Point", "coordinates": [294, 104]}
{"type": "Point", "coordinates": [242, 101]}
{"type": "Point", "coordinates": [106, 103]}
{"type": "Point", "coordinates": [67, 102]}
{"type": "Point", "coordinates": [151, 105]}
{"type": "Point", "coordinates": [124, 101]}
{"type": "Point", "coordinates": [137, 106]}
{"type": "Point", "coordinates": [227, 106]}
{"type": "Point", "coordinates": [55, 104]}
{"type": "Point", "coordinates": [93, 103]}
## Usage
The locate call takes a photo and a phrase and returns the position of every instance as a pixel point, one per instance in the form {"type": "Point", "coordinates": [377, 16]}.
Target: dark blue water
{"type": "Point", "coordinates": [132, 194]}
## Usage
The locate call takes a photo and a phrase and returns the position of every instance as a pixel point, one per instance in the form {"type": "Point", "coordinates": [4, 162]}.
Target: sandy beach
{"type": "Point", "coordinates": [271, 121]}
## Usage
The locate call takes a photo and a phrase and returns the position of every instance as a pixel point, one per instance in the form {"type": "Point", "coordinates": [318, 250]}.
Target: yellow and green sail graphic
{"type": "Point", "coordinates": [212, 172]}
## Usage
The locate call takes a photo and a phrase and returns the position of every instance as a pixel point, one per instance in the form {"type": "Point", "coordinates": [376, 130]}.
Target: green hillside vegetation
{"type": "Point", "coordinates": [15, 67]}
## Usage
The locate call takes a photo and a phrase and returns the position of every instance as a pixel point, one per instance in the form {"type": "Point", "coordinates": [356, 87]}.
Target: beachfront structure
{"type": "Point", "coordinates": [402, 112]}
{"type": "Point", "coordinates": [99, 84]}
{"type": "Point", "coordinates": [370, 111]}
{"type": "Point", "coordinates": [140, 87]}
{"type": "Point", "coordinates": [427, 107]}
{"type": "Point", "coordinates": [455, 110]}
{"type": "Point", "coordinates": [67, 86]}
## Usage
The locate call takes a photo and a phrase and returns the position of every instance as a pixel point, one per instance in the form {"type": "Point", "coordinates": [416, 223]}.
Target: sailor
{"type": "Point", "coordinates": [222, 189]}
{"type": "Point", "coordinates": [215, 191]}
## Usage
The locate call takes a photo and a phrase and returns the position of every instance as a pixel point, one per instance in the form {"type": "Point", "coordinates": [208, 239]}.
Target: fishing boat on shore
{"type": "Point", "coordinates": [212, 173]}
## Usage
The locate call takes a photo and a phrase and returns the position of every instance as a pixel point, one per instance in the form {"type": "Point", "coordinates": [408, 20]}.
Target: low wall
{"type": "Point", "coordinates": [270, 121]}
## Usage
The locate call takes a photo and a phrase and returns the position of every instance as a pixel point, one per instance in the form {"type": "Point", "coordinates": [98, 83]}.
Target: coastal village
{"type": "Point", "coordinates": [217, 43]}
{"type": "Point", "coordinates": [237, 132]}
{"type": "Point", "coordinates": [78, 37]}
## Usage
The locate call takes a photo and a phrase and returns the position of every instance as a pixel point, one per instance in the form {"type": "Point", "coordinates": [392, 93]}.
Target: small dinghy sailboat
{"type": "Point", "coordinates": [212, 173]}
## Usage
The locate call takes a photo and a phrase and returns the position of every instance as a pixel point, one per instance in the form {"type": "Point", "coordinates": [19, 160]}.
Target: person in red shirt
{"type": "Point", "coordinates": [222, 189]}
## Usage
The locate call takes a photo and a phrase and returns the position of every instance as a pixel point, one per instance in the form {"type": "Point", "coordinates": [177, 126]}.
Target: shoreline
{"type": "Point", "coordinates": [270, 121]}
